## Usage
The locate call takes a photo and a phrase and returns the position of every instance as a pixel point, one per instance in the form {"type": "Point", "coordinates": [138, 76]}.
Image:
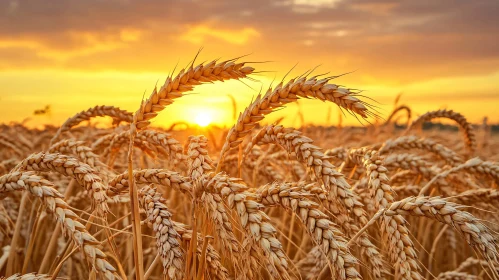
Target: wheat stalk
{"type": "Point", "coordinates": [78, 149]}
{"type": "Point", "coordinates": [215, 267]}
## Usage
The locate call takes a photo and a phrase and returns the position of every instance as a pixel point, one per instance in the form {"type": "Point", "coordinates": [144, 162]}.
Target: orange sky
{"type": "Point", "coordinates": [73, 55]}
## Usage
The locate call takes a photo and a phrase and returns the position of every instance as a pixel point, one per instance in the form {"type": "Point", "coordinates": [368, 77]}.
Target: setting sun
{"type": "Point", "coordinates": [203, 118]}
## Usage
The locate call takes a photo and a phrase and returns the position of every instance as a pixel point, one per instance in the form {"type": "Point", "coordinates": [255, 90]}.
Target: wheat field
{"type": "Point", "coordinates": [256, 201]}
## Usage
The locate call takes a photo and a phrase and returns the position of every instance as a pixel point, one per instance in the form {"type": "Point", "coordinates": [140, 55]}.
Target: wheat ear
{"type": "Point", "coordinates": [197, 154]}
{"type": "Point", "coordinates": [290, 92]}
{"type": "Point", "coordinates": [185, 81]}
{"type": "Point", "coordinates": [199, 164]}
{"type": "Point", "coordinates": [477, 196]}
{"type": "Point", "coordinates": [167, 239]}
{"type": "Point", "coordinates": [394, 228]}
{"type": "Point", "coordinates": [453, 275]}
{"type": "Point", "coordinates": [97, 111]}
{"type": "Point", "coordinates": [119, 183]}
{"type": "Point", "coordinates": [487, 168]}
{"type": "Point", "coordinates": [470, 262]}
{"type": "Point", "coordinates": [85, 175]}
{"type": "Point", "coordinates": [147, 140]}
{"type": "Point", "coordinates": [21, 143]}
{"type": "Point", "coordinates": [55, 203]}
{"type": "Point", "coordinates": [18, 146]}
{"type": "Point", "coordinates": [475, 165]}
{"type": "Point", "coordinates": [28, 276]}
{"type": "Point", "coordinates": [321, 229]}
{"type": "Point", "coordinates": [123, 139]}
{"type": "Point", "coordinates": [340, 153]}
{"type": "Point", "coordinates": [78, 149]}
{"type": "Point", "coordinates": [253, 220]}
{"type": "Point", "coordinates": [412, 162]}
{"type": "Point", "coordinates": [474, 232]}
{"type": "Point", "coordinates": [414, 142]}
{"type": "Point", "coordinates": [403, 177]}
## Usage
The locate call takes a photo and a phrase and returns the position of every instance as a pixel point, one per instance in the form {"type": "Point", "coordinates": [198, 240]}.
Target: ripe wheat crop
{"type": "Point", "coordinates": [255, 201]}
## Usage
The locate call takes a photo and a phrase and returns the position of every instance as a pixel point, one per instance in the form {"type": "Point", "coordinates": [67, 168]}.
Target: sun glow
{"type": "Point", "coordinates": [203, 118]}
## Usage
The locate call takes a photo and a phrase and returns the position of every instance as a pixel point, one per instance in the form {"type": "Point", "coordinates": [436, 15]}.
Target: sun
{"type": "Point", "coordinates": [203, 118]}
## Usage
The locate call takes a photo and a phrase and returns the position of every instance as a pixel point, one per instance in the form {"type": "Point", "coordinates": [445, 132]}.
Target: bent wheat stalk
{"type": "Point", "coordinates": [414, 142]}
{"type": "Point", "coordinates": [477, 235]}
{"type": "Point", "coordinates": [398, 109]}
{"type": "Point", "coordinates": [467, 128]}
{"type": "Point", "coordinates": [185, 81]}
{"type": "Point", "coordinates": [290, 92]}
{"type": "Point", "coordinates": [97, 111]}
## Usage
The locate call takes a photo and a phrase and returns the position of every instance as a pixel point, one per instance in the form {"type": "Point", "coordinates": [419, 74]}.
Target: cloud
{"type": "Point", "coordinates": [199, 34]}
{"type": "Point", "coordinates": [398, 41]}
{"type": "Point", "coordinates": [71, 44]}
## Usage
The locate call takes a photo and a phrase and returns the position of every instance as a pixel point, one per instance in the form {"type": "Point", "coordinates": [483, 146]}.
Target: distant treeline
{"type": "Point", "coordinates": [494, 128]}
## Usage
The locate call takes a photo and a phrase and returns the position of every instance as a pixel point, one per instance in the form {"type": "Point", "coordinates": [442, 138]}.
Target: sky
{"type": "Point", "coordinates": [73, 55]}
